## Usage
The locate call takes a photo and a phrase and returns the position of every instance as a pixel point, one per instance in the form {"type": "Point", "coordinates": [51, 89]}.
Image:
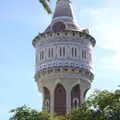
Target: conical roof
{"type": "Point", "coordinates": [63, 18]}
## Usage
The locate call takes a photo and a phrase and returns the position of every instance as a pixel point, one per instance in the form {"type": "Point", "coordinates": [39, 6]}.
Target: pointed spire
{"type": "Point", "coordinates": [63, 18]}
{"type": "Point", "coordinates": [63, 9]}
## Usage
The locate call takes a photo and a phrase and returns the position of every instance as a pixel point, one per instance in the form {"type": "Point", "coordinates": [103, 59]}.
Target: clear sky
{"type": "Point", "coordinates": [22, 20]}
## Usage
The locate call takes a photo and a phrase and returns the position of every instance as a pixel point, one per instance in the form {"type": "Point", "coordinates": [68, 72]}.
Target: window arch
{"type": "Point", "coordinates": [63, 51]}
{"type": "Point", "coordinates": [60, 51]}
{"type": "Point", "coordinates": [49, 52]}
{"type": "Point", "coordinates": [58, 26]}
{"type": "Point", "coordinates": [42, 55]}
{"type": "Point", "coordinates": [52, 52]}
{"type": "Point", "coordinates": [75, 103]}
{"type": "Point", "coordinates": [84, 54]}
{"type": "Point", "coordinates": [75, 96]}
{"type": "Point", "coordinates": [74, 52]}
{"type": "Point", "coordinates": [60, 99]}
{"type": "Point", "coordinates": [47, 104]}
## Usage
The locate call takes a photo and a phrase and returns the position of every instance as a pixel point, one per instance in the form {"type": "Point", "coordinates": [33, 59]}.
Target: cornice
{"type": "Point", "coordinates": [49, 36]}
{"type": "Point", "coordinates": [64, 72]}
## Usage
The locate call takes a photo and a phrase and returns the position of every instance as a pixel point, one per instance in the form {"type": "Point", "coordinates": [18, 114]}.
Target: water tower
{"type": "Point", "coordinates": [63, 61]}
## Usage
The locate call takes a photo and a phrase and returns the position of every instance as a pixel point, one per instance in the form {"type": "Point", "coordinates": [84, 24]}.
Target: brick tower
{"type": "Point", "coordinates": [63, 61]}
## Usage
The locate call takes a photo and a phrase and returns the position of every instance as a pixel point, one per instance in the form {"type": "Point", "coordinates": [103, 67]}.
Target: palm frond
{"type": "Point", "coordinates": [46, 5]}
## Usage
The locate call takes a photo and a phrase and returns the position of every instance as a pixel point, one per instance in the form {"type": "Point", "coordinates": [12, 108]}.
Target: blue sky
{"type": "Point", "coordinates": [21, 21]}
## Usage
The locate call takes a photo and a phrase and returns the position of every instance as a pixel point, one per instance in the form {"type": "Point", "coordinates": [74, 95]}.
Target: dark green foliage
{"type": "Point", "coordinates": [108, 103]}
{"type": "Point", "coordinates": [85, 113]}
{"type": "Point", "coordinates": [105, 106]}
{"type": "Point", "coordinates": [25, 113]}
{"type": "Point", "coordinates": [102, 98]}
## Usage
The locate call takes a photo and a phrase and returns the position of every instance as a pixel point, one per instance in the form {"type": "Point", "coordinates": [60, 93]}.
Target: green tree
{"type": "Point", "coordinates": [25, 113]}
{"type": "Point", "coordinates": [101, 105]}
{"type": "Point", "coordinates": [102, 99]}
{"type": "Point", "coordinates": [85, 113]}
{"type": "Point", "coordinates": [106, 102]}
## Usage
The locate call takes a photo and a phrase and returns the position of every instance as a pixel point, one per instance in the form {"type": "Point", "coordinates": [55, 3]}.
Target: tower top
{"type": "Point", "coordinates": [63, 9]}
{"type": "Point", "coordinates": [63, 18]}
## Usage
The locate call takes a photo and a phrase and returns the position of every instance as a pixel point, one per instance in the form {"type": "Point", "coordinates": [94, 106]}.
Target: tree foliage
{"type": "Point", "coordinates": [102, 98]}
{"type": "Point", "coordinates": [105, 102]}
{"type": "Point", "coordinates": [86, 114]}
{"type": "Point", "coordinates": [25, 113]}
{"type": "Point", "coordinates": [101, 105]}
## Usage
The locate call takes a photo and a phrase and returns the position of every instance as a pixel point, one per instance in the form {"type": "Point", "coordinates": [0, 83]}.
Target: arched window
{"type": "Point", "coordinates": [60, 51]}
{"type": "Point", "coordinates": [75, 97]}
{"type": "Point", "coordinates": [75, 51]}
{"type": "Point", "coordinates": [63, 51]}
{"type": "Point", "coordinates": [84, 54]}
{"type": "Point", "coordinates": [47, 105]}
{"type": "Point", "coordinates": [75, 103]}
{"type": "Point", "coordinates": [60, 100]}
{"type": "Point", "coordinates": [41, 55]}
{"type": "Point", "coordinates": [52, 52]}
{"type": "Point", "coordinates": [49, 52]}
{"type": "Point", "coordinates": [58, 26]}
{"type": "Point", "coordinates": [72, 51]}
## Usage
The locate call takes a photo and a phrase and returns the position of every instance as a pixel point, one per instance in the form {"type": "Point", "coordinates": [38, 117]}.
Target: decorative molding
{"type": "Point", "coordinates": [63, 63]}
{"type": "Point", "coordinates": [65, 73]}
{"type": "Point", "coordinates": [42, 38]}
